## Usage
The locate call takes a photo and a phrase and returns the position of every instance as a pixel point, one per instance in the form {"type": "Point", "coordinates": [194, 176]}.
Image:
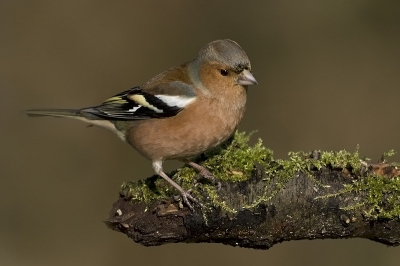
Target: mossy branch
{"type": "Point", "coordinates": [262, 201]}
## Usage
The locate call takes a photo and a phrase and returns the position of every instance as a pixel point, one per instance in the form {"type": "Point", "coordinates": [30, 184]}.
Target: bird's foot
{"type": "Point", "coordinates": [188, 199]}
{"type": "Point", "coordinates": [204, 173]}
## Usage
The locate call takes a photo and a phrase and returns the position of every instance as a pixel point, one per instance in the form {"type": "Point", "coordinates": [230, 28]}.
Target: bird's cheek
{"type": "Point", "coordinates": [209, 77]}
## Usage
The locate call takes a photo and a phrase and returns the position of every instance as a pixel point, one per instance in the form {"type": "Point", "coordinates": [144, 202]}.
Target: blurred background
{"type": "Point", "coordinates": [329, 78]}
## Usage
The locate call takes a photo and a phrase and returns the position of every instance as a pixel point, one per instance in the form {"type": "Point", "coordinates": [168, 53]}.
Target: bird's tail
{"type": "Point", "coordinates": [84, 115]}
{"type": "Point", "coordinates": [73, 113]}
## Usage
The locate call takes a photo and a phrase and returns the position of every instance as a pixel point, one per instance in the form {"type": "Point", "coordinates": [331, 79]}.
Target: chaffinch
{"type": "Point", "coordinates": [179, 113]}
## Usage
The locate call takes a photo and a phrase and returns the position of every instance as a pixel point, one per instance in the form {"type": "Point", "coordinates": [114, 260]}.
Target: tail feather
{"type": "Point", "coordinates": [84, 115]}
{"type": "Point", "coordinates": [54, 112]}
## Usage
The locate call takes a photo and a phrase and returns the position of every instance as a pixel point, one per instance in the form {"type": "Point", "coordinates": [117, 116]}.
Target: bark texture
{"type": "Point", "coordinates": [293, 212]}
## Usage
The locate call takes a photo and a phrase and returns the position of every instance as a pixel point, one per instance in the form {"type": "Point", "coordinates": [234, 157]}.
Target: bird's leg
{"type": "Point", "coordinates": [157, 166]}
{"type": "Point", "coordinates": [204, 172]}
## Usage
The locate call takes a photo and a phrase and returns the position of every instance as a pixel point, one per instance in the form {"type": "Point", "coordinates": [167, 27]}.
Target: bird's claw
{"type": "Point", "coordinates": [189, 199]}
{"type": "Point", "coordinates": [209, 176]}
{"type": "Point", "coordinates": [204, 173]}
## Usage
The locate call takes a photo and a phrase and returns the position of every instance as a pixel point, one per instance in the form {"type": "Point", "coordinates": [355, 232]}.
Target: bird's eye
{"type": "Point", "coordinates": [224, 72]}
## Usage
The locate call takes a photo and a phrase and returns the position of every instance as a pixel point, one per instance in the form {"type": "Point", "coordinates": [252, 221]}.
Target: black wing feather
{"type": "Point", "coordinates": [121, 107]}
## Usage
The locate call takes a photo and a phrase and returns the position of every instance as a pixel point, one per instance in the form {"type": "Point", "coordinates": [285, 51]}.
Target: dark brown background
{"type": "Point", "coordinates": [328, 74]}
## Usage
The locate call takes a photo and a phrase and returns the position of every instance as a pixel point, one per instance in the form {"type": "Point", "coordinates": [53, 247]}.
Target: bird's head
{"type": "Point", "coordinates": [226, 61]}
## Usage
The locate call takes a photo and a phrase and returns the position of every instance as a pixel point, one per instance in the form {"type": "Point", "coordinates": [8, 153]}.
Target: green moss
{"type": "Point", "coordinates": [342, 160]}
{"type": "Point", "coordinates": [234, 162]}
{"type": "Point", "coordinates": [303, 162]}
{"type": "Point", "coordinates": [389, 153]}
{"type": "Point", "coordinates": [381, 194]}
{"type": "Point", "coordinates": [216, 201]}
{"type": "Point", "coordinates": [147, 191]}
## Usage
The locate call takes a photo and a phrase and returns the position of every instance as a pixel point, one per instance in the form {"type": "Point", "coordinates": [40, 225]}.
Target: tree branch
{"type": "Point", "coordinates": [317, 201]}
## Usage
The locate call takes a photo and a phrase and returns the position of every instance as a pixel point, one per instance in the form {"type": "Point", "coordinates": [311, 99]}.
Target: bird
{"type": "Point", "coordinates": [179, 113]}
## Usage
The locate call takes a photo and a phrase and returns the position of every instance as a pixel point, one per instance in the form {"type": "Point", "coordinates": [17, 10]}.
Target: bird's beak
{"type": "Point", "coordinates": [246, 78]}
